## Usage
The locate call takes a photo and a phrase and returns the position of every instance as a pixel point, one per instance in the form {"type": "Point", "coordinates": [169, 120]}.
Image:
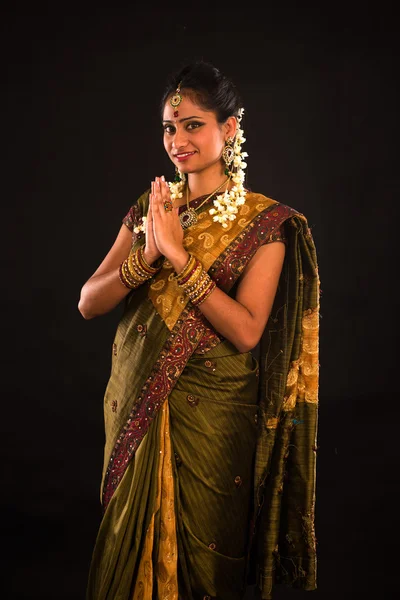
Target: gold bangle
{"type": "Point", "coordinates": [202, 285]}
{"type": "Point", "coordinates": [212, 287]}
{"type": "Point", "coordinates": [143, 262]}
{"type": "Point", "coordinates": [196, 289]}
{"type": "Point", "coordinates": [199, 289]}
{"type": "Point", "coordinates": [190, 263]}
{"type": "Point", "coordinates": [123, 278]}
{"type": "Point", "coordinates": [129, 276]}
{"type": "Point", "coordinates": [193, 278]}
{"type": "Point", "coordinates": [135, 269]}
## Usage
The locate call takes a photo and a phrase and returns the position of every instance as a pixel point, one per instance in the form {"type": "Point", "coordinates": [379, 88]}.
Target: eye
{"type": "Point", "coordinates": [168, 128]}
{"type": "Point", "coordinates": [194, 125]}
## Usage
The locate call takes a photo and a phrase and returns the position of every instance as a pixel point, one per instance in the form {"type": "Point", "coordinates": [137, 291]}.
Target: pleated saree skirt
{"type": "Point", "coordinates": [178, 524]}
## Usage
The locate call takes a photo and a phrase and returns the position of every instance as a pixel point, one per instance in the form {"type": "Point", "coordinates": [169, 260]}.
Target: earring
{"type": "Point", "coordinates": [178, 176]}
{"type": "Point", "coordinates": [228, 152]}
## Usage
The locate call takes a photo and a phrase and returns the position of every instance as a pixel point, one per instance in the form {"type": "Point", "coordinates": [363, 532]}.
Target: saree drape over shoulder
{"type": "Point", "coordinates": [210, 456]}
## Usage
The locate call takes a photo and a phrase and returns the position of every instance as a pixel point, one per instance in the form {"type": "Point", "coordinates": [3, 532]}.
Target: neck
{"type": "Point", "coordinates": [205, 182]}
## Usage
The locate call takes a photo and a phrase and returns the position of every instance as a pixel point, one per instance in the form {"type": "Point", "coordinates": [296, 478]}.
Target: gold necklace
{"type": "Point", "coordinates": [189, 216]}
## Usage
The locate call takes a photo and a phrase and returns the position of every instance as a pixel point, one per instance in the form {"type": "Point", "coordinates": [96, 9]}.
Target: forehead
{"type": "Point", "coordinates": [186, 108]}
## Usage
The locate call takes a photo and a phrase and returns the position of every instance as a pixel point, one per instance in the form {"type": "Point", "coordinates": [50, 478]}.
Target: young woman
{"type": "Point", "coordinates": [209, 470]}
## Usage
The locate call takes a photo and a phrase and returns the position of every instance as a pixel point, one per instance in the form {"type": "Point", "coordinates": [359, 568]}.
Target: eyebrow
{"type": "Point", "coordinates": [181, 120]}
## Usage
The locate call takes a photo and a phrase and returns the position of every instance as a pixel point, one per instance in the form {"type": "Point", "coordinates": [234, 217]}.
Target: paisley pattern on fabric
{"type": "Point", "coordinates": [302, 379]}
{"type": "Point", "coordinates": [221, 545]}
{"type": "Point", "coordinates": [206, 240]}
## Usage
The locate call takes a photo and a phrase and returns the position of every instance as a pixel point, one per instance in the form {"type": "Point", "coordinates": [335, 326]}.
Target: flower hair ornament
{"type": "Point", "coordinates": [226, 204]}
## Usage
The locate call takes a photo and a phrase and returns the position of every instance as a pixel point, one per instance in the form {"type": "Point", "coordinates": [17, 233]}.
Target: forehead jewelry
{"type": "Point", "coordinates": [176, 99]}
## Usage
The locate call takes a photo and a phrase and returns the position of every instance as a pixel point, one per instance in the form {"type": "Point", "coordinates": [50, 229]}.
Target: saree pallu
{"type": "Point", "coordinates": [209, 467]}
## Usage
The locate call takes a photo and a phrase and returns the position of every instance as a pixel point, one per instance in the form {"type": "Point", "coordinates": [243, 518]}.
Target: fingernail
{"type": "Point", "coordinates": [162, 177]}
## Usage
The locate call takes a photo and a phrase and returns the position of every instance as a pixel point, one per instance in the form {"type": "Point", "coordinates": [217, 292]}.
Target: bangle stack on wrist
{"type": "Point", "coordinates": [195, 281]}
{"type": "Point", "coordinates": [135, 270]}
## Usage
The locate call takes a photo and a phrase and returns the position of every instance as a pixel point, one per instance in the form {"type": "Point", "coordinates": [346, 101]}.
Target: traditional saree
{"type": "Point", "coordinates": [210, 455]}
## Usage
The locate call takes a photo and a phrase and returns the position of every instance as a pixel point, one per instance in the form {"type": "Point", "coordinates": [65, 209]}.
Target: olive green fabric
{"type": "Point", "coordinates": [213, 434]}
{"type": "Point", "coordinates": [236, 480]}
{"type": "Point", "coordinates": [284, 549]}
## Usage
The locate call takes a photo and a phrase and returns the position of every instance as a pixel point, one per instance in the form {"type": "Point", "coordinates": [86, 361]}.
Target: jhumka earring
{"type": "Point", "coordinates": [176, 99]}
{"type": "Point", "coordinates": [228, 153]}
{"type": "Point", "coordinates": [178, 176]}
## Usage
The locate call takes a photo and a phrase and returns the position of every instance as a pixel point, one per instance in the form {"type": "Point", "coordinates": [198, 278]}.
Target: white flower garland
{"type": "Point", "coordinates": [141, 227]}
{"type": "Point", "coordinates": [226, 204]}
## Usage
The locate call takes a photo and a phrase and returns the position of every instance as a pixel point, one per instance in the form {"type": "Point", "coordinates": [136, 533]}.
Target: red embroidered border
{"type": "Point", "coordinates": [191, 331]}
{"type": "Point", "coordinates": [228, 267]}
{"type": "Point", "coordinates": [179, 347]}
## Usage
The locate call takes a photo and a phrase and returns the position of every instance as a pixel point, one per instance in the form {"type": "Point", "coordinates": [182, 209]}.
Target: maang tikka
{"type": "Point", "coordinates": [176, 99]}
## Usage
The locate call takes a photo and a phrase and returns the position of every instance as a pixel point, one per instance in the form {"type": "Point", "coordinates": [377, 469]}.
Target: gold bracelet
{"type": "Point", "coordinates": [198, 290]}
{"type": "Point", "coordinates": [202, 289]}
{"type": "Point", "coordinates": [124, 278]}
{"type": "Point", "coordinates": [210, 289]}
{"type": "Point", "coordinates": [193, 277]}
{"type": "Point", "coordinates": [131, 275]}
{"type": "Point", "coordinates": [190, 290]}
{"type": "Point", "coordinates": [190, 263]}
{"type": "Point", "coordinates": [143, 262]}
{"type": "Point", "coordinates": [135, 268]}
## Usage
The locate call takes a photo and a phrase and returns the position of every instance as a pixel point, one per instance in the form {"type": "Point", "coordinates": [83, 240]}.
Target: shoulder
{"type": "Point", "coordinates": [274, 216]}
{"type": "Point", "coordinates": [137, 210]}
{"type": "Point", "coordinates": [270, 207]}
{"type": "Point", "coordinates": [266, 203]}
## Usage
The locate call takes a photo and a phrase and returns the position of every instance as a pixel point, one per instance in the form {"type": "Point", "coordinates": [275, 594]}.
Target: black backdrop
{"type": "Point", "coordinates": [82, 139]}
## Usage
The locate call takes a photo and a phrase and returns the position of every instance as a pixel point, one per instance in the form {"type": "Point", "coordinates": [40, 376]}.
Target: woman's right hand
{"type": "Point", "coordinates": [151, 252]}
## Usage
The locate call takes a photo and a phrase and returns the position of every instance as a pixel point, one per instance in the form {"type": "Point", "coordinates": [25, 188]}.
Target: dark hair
{"type": "Point", "coordinates": [207, 87]}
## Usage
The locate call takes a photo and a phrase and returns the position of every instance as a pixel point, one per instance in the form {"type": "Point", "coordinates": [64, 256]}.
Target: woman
{"type": "Point", "coordinates": [209, 467]}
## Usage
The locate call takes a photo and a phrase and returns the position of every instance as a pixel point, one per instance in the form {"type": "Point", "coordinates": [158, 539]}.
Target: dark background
{"type": "Point", "coordinates": [82, 140]}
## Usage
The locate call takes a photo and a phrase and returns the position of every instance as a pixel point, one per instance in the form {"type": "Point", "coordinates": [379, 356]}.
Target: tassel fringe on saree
{"type": "Point", "coordinates": [210, 456]}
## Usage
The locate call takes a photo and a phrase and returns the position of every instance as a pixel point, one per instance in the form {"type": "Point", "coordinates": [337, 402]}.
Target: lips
{"type": "Point", "coordinates": [183, 155]}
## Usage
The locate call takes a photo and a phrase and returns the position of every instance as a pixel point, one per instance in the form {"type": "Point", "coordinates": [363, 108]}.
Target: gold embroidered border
{"type": "Point", "coordinates": [302, 379]}
{"type": "Point", "coordinates": [207, 239]}
{"type": "Point", "coordinates": [167, 559]}
{"type": "Point", "coordinates": [144, 581]}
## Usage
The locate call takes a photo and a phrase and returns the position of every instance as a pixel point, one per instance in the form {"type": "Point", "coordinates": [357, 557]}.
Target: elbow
{"type": "Point", "coordinates": [84, 312]}
{"type": "Point", "coordinates": [248, 340]}
{"type": "Point", "coordinates": [84, 309]}
{"type": "Point", "coordinates": [245, 345]}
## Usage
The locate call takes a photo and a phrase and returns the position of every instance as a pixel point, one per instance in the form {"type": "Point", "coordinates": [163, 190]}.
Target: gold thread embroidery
{"type": "Point", "coordinates": [272, 423]}
{"type": "Point", "coordinates": [157, 285]}
{"type": "Point", "coordinates": [208, 239]}
{"type": "Point", "coordinates": [167, 559]}
{"type": "Point", "coordinates": [205, 234]}
{"type": "Point", "coordinates": [167, 565]}
{"type": "Point", "coordinates": [303, 376]}
{"type": "Point", "coordinates": [144, 581]}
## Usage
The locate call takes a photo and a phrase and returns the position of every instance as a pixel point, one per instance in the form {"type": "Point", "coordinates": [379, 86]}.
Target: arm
{"type": "Point", "coordinates": [242, 321]}
{"type": "Point", "coordinates": [103, 291]}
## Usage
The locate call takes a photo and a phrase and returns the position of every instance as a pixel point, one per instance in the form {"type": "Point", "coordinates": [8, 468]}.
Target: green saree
{"type": "Point", "coordinates": [210, 454]}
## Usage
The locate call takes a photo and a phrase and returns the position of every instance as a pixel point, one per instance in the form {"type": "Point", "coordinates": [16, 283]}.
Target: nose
{"type": "Point", "coordinates": [180, 138]}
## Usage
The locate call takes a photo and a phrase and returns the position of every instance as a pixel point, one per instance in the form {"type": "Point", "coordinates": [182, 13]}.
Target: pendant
{"type": "Point", "coordinates": [188, 218]}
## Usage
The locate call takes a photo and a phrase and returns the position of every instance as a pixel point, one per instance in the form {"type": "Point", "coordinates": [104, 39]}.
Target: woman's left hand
{"type": "Point", "coordinates": [168, 232]}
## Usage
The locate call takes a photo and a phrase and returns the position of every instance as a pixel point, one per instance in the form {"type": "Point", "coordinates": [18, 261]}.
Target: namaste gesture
{"type": "Point", "coordinates": [164, 233]}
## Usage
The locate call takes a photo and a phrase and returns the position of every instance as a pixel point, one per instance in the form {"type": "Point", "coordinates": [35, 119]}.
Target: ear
{"type": "Point", "coordinates": [230, 127]}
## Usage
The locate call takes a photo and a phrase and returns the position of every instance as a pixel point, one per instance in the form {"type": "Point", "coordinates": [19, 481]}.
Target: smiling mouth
{"type": "Point", "coordinates": [183, 154]}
